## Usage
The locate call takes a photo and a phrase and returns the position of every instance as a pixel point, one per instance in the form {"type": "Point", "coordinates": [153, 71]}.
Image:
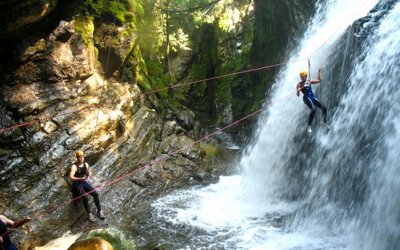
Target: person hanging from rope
{"type": "Point", "coordinates": [309, 98]}
{"type": "Point", "coordinates": [79, 175]}
{"type": "Point", "coordinates": [7, 226]}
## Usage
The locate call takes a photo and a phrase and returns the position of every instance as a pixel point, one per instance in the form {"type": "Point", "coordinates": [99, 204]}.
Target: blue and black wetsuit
{"type": "Point", "coordinates": [82, 187]}
{"type": "Point", "coordinates": [311, 101]}
{"type": "Point", "coordinates": [7, 243]}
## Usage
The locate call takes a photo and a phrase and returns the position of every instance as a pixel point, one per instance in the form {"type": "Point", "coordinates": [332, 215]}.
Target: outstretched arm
{"type": "Point", "coordinates": [6, 220]}
{"type": "Point", "coordinates": [319, 77]}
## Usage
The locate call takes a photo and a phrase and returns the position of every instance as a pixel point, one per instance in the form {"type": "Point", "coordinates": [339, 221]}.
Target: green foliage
{"type": "Point", "coordinates": [157, 78]}
{"type": "Point", "coordinates": [115, 237]}
{"type": "Point", "coordinates": [93, 7]}
{"type": "Point", "coordinates": [115, 10]}
{"type": "Point", "coordinates": [200, 26]}
{"type": "Point", "coordinates": [140, 11]}
{"type": "Point", "coordinates": [118, 11]}
{"type": "Point", "coordinates": [129, 17]}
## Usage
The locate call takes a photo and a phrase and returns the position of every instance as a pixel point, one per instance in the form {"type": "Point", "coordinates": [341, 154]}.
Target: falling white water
{"type": "Point", "coordinates": [246, 211]}
{"type": "Point", "coordinates": [263, 164]}
{"type": "Point", "coordinates": [372, 105]}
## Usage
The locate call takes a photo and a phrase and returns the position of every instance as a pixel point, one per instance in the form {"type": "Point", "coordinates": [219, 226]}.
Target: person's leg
{"type": "Point", "coordinates": [75, 195]}
{"type": "Point", "coordinates": [78, 191]}
{"type": "Point", "coordinates": [310, 105]}
{"type": "Point", "coordinates": [88, 189]}
{"type": "Point", "coordinates": [320, 105]}
{"type": "Point", "coordinates": [11, 246]}
{"type": "Point", "coordinates": [95, 195]}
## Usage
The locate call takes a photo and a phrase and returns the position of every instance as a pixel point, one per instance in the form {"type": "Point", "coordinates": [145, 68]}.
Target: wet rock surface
{"type": "Point", "coordinates": [63, 103]}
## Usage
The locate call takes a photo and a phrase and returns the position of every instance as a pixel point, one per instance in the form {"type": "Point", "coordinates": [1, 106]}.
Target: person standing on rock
{"type": "Point", "coordinates": [6, 226]}
{"type": "Point", "coordinates": [79, 175]}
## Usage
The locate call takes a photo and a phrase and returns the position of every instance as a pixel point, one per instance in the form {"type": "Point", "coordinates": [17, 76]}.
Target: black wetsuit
{"type": "Point", "coordinates": [82, 187]}
{"type": "Point", "coordinates": [7, 243]}
{"type": "Point", "coordinates": [311, 101]}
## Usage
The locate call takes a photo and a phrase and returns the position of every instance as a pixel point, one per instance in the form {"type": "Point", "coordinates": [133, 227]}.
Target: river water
{"type": "Point", "coordinates": [330, 190]}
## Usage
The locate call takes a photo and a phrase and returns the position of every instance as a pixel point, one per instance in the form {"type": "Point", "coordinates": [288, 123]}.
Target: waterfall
{"type": "Point", "coordinates": [336, 189]}
{"type": "Point", "coordinates": [277, 128]}
{"type": "Point", "coordinates": [347, 179]}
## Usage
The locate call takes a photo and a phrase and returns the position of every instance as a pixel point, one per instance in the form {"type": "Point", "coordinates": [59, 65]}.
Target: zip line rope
{"type": "Point", "coordinates": [222, 76]}
{"type": "Point", "coordinates": [168, 155]}
{"type": "Point", "coordinates": [122, 177]}
{"type": "Point", "coordinates": [42, 213]}
{"type": "Point", "coordinates": [40, 118]}
{"type": "Point", "coordinates": [45, 117]}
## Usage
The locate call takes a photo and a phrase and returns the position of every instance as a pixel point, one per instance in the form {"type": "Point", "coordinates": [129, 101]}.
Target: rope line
{"type": "Point", "coordinates": [168, 155]}
{"type": "Point", "coordinates": [104, 80]}
{"type": "Point", "coordinates": [122, 177]}
{"type": "Point", "coordinates": [42, 118]}
{"type": "Point", "coordinates": [222, 76]}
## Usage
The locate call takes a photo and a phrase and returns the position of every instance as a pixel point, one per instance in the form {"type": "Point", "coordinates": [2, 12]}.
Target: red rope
{"type": "Point", "coordinates": [18, 125]}
{"type": "Point", "coordinates": [124, 176]}
{"type": "Point", "coordinates": [168, 155]}
{"type": "Point", "coordinates": [222, 76]}
{"type": "Point", "coordinates": [41, 118]}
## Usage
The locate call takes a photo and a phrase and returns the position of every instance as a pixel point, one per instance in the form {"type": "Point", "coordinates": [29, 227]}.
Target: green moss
{"type": "Point", "coordinates": [85, 27]}
{"type": "Point", "coordinates": [122, 11]}
{"type": "Point", "coordinates": [210, 150]}
{"type": "Point", "coordinates": [140, 11]}
{"type": "Point", "coordinates": [115, 10]}
{"type": "Point", "coordinates": [129, 17]}
{"type": "Point", "coordinates": [92, 7]}
{"type": "Point", "coordinates": [114, 237]}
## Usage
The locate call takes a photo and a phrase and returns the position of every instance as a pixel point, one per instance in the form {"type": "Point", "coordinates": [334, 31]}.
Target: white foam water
{"type": "Point", "coordinates": [247, 211]}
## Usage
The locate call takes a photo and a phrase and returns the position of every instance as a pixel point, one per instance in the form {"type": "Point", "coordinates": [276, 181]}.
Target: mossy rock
{"type": "Point", "coordinates": [85, 27]}
{"type": "Point", "coordinates": [114, 237]}
{"type": "Point", "coordinates": [211, 151]}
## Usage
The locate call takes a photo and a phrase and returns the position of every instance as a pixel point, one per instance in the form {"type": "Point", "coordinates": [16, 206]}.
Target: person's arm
{"type": "Point", "coordinates": [72, 173]}
{"type": "Point", "coordinates": [21, 222]}
{"type": "Point", "coordinates": [88, 170]}
{"type": "Point", "coordinates": [6, 220]}
{"type": "Point", "coordinates": [319, 77]}
{"type": "Point", "coordinates": [9, 224]}
{"type": "Point", "coordinates": [298, 88]}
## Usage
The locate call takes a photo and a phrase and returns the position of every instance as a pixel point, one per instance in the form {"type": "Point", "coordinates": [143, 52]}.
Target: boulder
{"type": "Point", "coordinates": [91, 244]}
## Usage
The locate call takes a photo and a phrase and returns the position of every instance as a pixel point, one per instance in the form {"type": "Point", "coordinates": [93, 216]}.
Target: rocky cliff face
{"type": "Point", "coordinates": [55, 89]}
{"type": "Point", "coordinates": [18, 16]}
{"type": "Point", "coordinates": [72, 81]}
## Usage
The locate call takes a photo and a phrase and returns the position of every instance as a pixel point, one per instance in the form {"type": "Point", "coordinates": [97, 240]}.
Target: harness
{"type": "Point", "coordinates": [307, 90]}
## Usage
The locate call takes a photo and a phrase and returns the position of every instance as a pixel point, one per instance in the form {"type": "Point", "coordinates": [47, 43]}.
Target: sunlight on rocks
{"type": "Point", "coordinates": [61, 243]}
